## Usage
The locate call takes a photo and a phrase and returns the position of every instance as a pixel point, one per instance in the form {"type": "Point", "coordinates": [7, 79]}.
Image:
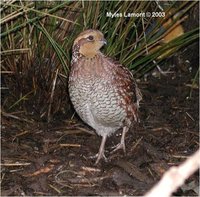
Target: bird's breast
{"type": "Point", "coordinates": [98, 93]}
{"type": "Point", "coordinates": [95, 99]}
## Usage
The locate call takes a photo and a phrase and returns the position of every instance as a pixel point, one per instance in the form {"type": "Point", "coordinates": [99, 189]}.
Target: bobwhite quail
{"type": "Point", "coordinates": [103, 92]}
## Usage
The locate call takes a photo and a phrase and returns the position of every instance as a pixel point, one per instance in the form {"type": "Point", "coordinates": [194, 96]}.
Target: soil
{"type": "Point", "coordinates": [55, 159]}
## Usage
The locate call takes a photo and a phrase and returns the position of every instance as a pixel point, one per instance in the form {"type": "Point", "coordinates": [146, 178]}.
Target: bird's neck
{"type": "Point", "coordinates": [93, 67]}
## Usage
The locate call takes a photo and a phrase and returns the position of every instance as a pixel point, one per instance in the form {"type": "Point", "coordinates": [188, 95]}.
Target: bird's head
{"type": "Point", "coordinates": [89, 42]}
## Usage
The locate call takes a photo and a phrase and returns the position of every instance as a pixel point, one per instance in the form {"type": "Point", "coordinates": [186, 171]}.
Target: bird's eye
{"type": "Point", "coordinates": [90, 38]}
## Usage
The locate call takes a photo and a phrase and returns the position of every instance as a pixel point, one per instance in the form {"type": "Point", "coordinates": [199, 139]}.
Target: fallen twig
{"type": "Point", "coordinates": [70, 145]}
{"type": "Point", "coordinates": [51, 97]}
{"type": "Point", "coordinates": [7, 115]}
{"type": "Point", "coordinates": [43, 170]}
{"type": "Point", "coordinates": [15, 164]}
{"type": "Point", "coordinates": [175, 177]}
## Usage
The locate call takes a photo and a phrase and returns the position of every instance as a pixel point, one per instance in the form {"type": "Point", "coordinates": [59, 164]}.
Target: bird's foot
{"type": "Point", "coordinates": [118, 147]}
{"type": "Point", "coordinates": [98, 157]}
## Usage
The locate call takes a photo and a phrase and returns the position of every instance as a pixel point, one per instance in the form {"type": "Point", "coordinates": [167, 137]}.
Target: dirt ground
{"type": "Point", "coordinates": [55, 159]}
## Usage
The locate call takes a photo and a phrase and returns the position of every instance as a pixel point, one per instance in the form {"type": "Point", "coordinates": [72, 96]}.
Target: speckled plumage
{"type": "Point", "coordinates": [103, 92]}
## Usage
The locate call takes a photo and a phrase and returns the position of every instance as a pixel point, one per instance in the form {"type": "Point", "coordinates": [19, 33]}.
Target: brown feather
{"type": "Point", "coordinates": [103, 92]}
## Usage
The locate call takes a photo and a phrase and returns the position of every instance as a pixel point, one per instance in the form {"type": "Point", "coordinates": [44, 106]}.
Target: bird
{"type": "Point", "coordinates": [103, 92]}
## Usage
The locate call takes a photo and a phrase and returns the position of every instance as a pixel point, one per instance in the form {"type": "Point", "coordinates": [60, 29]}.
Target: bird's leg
{"type": "Point", "coordinates": [101, 149]}
{"type": "Point", "coordinates": [121, 145]}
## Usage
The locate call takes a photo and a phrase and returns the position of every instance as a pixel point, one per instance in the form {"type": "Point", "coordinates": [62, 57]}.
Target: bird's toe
{"type": "Point", "coordinates": [118, 147]}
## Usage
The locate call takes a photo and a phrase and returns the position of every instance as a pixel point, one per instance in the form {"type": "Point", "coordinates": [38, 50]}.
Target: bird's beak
{"type": "Point", "coordinates": [104, 41]}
